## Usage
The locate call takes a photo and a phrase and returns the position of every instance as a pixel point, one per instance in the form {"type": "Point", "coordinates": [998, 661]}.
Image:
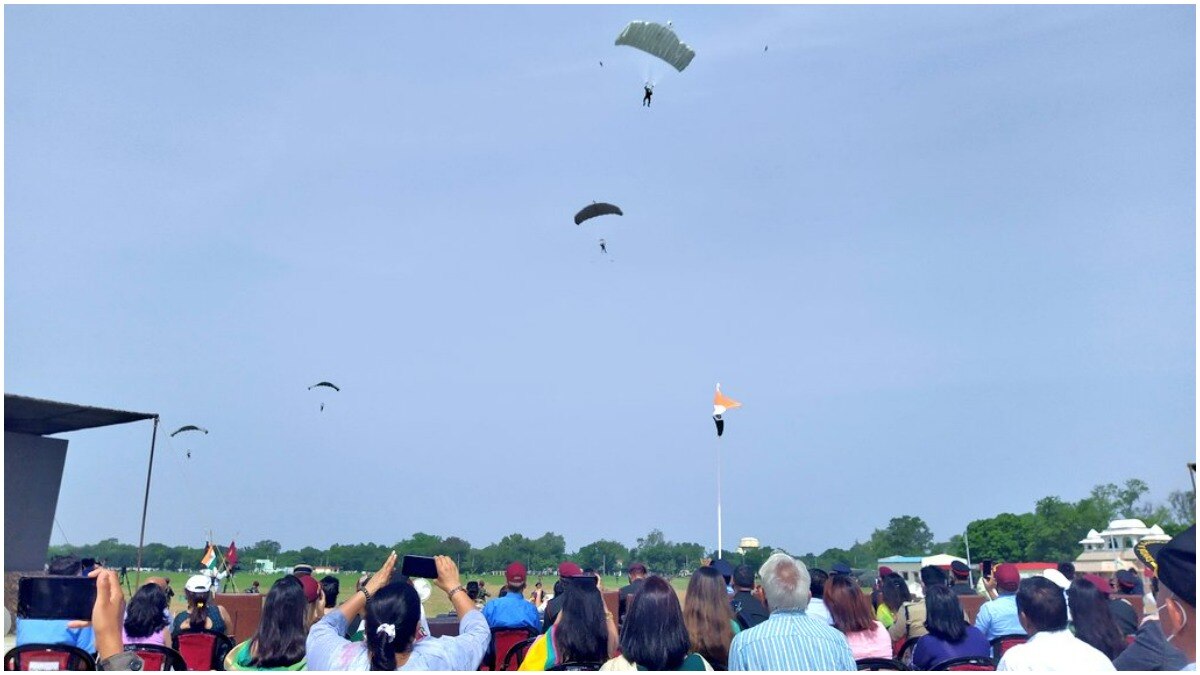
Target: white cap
{"type": "Point", "coordinates": [198, 583]}
{"type": "Point", "coordinates": [1057, 578]}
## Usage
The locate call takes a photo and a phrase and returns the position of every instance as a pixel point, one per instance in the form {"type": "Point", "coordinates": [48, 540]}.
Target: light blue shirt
{"type": "Point", "coordinates": [818, 610]}
{"type": "Point", "coordinates": [791, 640]}
{"type": "Point", "coordinates": [999, 617]}
{"type": "Point", "coordinates": [326, 649]}
{"type": "Point", "coordinates": [54, 632]}
{"type": "Point", "coordinates": [512, 611]}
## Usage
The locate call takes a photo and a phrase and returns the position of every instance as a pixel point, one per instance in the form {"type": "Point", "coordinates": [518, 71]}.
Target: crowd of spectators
{"type": "Point", "coordinates": [788, 618]}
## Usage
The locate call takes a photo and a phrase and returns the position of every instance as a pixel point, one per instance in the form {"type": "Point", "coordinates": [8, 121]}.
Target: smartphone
{"type": "Point", "coordinates": [419, 566]}
{"type": "Point", "coordinates": [70, 598]}
{"type": "Point", "coordinates": [987, 569]}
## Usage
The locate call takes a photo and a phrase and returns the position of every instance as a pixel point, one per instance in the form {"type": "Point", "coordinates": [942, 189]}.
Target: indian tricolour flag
{"type": "Point", "coordinates": [210, 558]}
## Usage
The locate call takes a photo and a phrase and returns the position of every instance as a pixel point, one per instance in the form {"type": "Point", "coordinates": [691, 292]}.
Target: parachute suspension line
{"type": "Point", "coordinates": [60, 531]}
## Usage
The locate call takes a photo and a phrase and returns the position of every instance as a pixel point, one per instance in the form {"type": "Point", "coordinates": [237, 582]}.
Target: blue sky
{"type": "Point", "coordinates": [944, 255]}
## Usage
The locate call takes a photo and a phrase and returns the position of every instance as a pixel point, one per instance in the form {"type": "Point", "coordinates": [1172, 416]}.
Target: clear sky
{"type": "Point", "coordinates": [944, 255]}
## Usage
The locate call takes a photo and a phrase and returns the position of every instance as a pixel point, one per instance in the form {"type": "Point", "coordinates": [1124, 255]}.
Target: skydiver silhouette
{"type": "Point", "coordinates": [649, 93]}
{"type": "Point", "coordinates": [322, 406]}
{"type": "Point", "coordinates": [603, 247]}
{"type": "Point", "coordinates": [189, 454]}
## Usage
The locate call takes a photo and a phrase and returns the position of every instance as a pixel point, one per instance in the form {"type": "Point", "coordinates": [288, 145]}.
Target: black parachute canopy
{"type": "Point", "coordinates": [326, 384]}
{"type": "Point", "coordinates": [597, 209]}
{"type": "Point", "coordinates": [187, 427]}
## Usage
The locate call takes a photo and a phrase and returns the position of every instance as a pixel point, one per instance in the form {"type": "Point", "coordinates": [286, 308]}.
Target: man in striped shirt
{"type": "Point", "coordinates": [790, 639]}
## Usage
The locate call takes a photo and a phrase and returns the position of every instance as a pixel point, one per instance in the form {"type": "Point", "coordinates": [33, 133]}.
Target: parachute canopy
{"type": "Point", "coordinates": [597, 209]}
{"type": "Point", "coordinates": [658, 40]}
{"type": "Point", "coordinates": [326, 384]}
{"type": "Point", "coordinates": [187, 427]}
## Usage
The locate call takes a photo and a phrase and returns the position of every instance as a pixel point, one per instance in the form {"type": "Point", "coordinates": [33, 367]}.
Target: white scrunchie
{"type": "Point", "coordinates": [387, 629]}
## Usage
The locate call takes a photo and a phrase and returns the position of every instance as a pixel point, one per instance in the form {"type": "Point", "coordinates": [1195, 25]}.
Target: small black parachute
{"type": "Point", "coordinates": [597, 209]}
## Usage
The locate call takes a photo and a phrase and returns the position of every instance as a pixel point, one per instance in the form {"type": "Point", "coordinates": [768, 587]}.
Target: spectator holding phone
{"type": "Point", "coordinates": [393, 636]}
{"type": "Point", "coordinates": [999, 616]}
{"type": "Point", "coordinates": [57, 631]}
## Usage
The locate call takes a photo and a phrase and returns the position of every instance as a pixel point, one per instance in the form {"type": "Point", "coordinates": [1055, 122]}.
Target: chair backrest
{"type": "Point", "coordinates": [980, 663]}
{"type": "Point", "coordinates": [516, 654]}
{"type": "Point", "coordinates": [48, 657]}
{"type": "Point", "coordinates": [1005, 643]}
{"type": "Point", "coordinates": [156, 657]}
{"type": "Point", "coordinates": [612, 602]}
{"type": "Point", "coordinates": [504, 639]}
{"type": "Point", "coordinates": [880, 664]}
{"type": "Point", "coordinates": [577, 665]}
{"type": "Point", "coordinates": [202, 649]}
{"type": "Point", "coordinates": [904, 650]}
{"type": "Point", "coordinates": [971, 605]}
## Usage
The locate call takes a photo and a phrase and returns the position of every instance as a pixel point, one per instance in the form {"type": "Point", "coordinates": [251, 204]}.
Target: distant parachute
{"type": "Point", "coordinates": [657, 40]}
{"type": "Point", "coordinates": [597, 209]}
{"type": "Point", "coordinates": [187, 427]}
{"type": "Point", "coordinates": [326, 384]}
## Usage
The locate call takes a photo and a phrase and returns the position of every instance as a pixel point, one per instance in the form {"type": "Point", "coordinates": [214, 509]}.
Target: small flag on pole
{"type": "Point", "coordinates": [231, 557]}
{"type": "Point", "coordinates": [210, 557]}
{"type": "Point", "coordinates": [722, 403]}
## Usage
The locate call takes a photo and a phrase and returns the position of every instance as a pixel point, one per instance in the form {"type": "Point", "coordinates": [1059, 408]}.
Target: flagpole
{"type": "Point", "coordinates": [720, 547]}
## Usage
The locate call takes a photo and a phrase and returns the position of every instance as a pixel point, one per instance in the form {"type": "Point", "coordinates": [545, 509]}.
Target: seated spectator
{"type": "Point", "coordinates": [147, 619]}
{"type": "Point", "coordinates": [909, 621]}
{"type": "Point", "coordinates": [962, 578]}
{"type": "Point", "coordinates": [56, 631]}
{"type": "Point", "coordinates": [566, 569]}
{"type": "Point", "coordinates": [637, 577]}
{"type": "Point", "coordinates": [1051, 647]}
{"type": "Point", "coordinates": [314, 603]}
{"type": "Point", "coordinates": [654, 636]}
{"type": "Point", "coordinates": [1128, 583]}
{"type": "Point", "coordinates": [538, 596]}
{"type": "Point", "coordinates": [475, 594]}
{"type": "Point", "coordinates": [107, 613]}
{"type": "Point", "coordinates": [1122, 610]}
{"type": "Point", "coordinates": [999, 616]}
{"type": "Point", "coordinates": [1067, 569]}
{"type": "Point", "coordinates": [948, 635]}
{"type": "Point", "coordinates": [278, 644]}
{"type": "Point", "coordinates": [583, 631]}
{"type": "Point", "coordinates": [747, 609]}
{"type": "Point", "coordinates": [202, 612]}
{"type": "Point", "coordinates": [722, 566]}
{"type": "Point", "coordinates": [393, 634]}
{"type": "Point", "coordinates": [303, 569]}
{"type": "Point", "coordinates": [512, 610]}
{"type": "Point", "coordinates": [851, 612]}
{"type": "Point", "coordinates": [254, 587]}
{"type": "Point", "coordinates": [893, 593]}
{"type": "Point", "coordinates": [709, 617]}
{"type": "Point", "coordinates": [1093, 620]}
{"type": "Point", "coordinates": [789, 639]}
{"type": "Point", "coordinates": [329, 589]}
{"type": "Point", "coordinates": [1177, 592]}
{"type": "Point", "coordinates": [877, 591]}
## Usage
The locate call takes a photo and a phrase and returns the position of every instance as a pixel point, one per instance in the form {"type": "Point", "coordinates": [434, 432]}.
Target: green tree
{"type": "Point", "coordinates": [1004, 538]}
{"type": "Point", "coordinates": [904, 535]}
{"type": "Point", "coordinates": [1182, 505]}
{"type": "Point", "coordinates": [603, 555]}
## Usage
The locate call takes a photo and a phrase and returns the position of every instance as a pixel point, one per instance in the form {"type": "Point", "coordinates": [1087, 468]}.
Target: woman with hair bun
{"type": "Point", "coordinates": [394, 639]}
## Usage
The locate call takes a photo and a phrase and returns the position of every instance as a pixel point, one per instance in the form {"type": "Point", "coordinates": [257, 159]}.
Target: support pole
{"type": "Point", "coordinates": [720, 548]}
{"type": "Point", "coordinates": [146, 502]}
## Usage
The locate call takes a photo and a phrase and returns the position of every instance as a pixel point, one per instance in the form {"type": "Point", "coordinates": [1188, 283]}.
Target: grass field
{"type": "Point", "coordinates": [438, 603]}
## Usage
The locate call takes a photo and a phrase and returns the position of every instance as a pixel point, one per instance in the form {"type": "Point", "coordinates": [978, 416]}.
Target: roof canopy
{"type": "Point", "coordinates": [25, 415]}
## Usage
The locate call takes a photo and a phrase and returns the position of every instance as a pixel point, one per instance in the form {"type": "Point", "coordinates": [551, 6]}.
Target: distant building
{"type": "Point", "coordinates": [264, 567]}
{"type": "Point", "coordinates": [326, 569]}
{"type": "Point", "coordinates": [1112, 550]}
{"type": "Point", "coordinates": [909, 567]}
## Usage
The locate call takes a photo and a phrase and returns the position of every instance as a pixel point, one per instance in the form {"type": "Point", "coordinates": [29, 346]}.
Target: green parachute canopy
{"type": "Point", "coordinates": [658, 40]}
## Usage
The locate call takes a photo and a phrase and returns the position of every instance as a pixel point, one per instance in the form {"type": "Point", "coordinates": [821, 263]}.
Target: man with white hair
{"type": "Point", "coordinates": [789, 639]}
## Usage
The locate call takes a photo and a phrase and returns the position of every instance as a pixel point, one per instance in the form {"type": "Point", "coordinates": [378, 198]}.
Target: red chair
{"type": "Point", "coordinates": [904, 649]}
{"type": "Point", "coordinates": [516, 654]}
{"type": "Point", "coordinates": [503, 639]}
{"type": "Point", "coordinates": [48, 657]}
{"type": "Point", "coordinates": [156, 657]}
{"type": "Point", "coordinates": [879, 664]}
{"type": "Point", "coordinates": [202, 649]}
{"type": "Point", "coordinates": [1005, 643]}
{"type": "Point", "coordinates": [966, 663]}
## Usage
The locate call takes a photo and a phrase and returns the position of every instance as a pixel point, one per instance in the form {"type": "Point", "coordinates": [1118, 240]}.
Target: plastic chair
{"type": "Point", "coordinates": [202, 649]}
{"type": "Point", "coordinates": [503, 639]}
{"type": "Point", "coordinates": [980, 663]}
{"type": "Point", "coordinates": [48, 657]}
{"type": "Point", "coordinates": [516, 654]}
{"type": "Point", "coordinates": [1005, 643]}
{"type": "Point", "coordinates": [155, 657]}
{"type": "Point", "coordinates": [880, 664]}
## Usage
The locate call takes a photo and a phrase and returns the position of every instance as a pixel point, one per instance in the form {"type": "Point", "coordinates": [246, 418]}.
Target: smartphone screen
{"type": "Point", "coordinates": [70, 598]}
{"type": "Point", "coordinates": [419, 566]}
{"type": "Point", "coordinates": [987, 569]}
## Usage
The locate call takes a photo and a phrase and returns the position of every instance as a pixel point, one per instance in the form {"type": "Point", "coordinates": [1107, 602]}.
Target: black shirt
{"type": "Point", "coordinates": [1124, 615]}
{"type": "Point", "coordinates": [962, 589]}
{"type": "Point", "coordinates": [748, 610]}
{"type": "Point", "coordinates": [551, 613]}
{"type": "Point", "coordinates": [626, 591]}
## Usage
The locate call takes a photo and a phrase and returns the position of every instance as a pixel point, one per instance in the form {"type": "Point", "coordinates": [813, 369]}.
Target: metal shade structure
{"type": "Point", "coordinates": [30, 453]}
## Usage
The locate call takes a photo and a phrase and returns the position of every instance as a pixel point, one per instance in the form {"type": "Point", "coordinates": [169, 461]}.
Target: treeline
{"type": "Point", "coordinates": [1051, 532]}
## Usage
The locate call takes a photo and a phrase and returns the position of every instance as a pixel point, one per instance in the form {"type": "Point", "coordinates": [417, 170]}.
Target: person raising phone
{"type": "Point", "coordinates": [393, 639]}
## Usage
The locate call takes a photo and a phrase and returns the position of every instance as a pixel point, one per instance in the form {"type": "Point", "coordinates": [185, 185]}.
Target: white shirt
{"type": "Point", "coordinates": [1055, 650]}
{"type": "Point", "coordinates": [818, 610]}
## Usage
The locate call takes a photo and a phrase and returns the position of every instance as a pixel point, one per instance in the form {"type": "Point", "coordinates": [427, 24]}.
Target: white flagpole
{"type": "Point", "coordinates": [719, 546]}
